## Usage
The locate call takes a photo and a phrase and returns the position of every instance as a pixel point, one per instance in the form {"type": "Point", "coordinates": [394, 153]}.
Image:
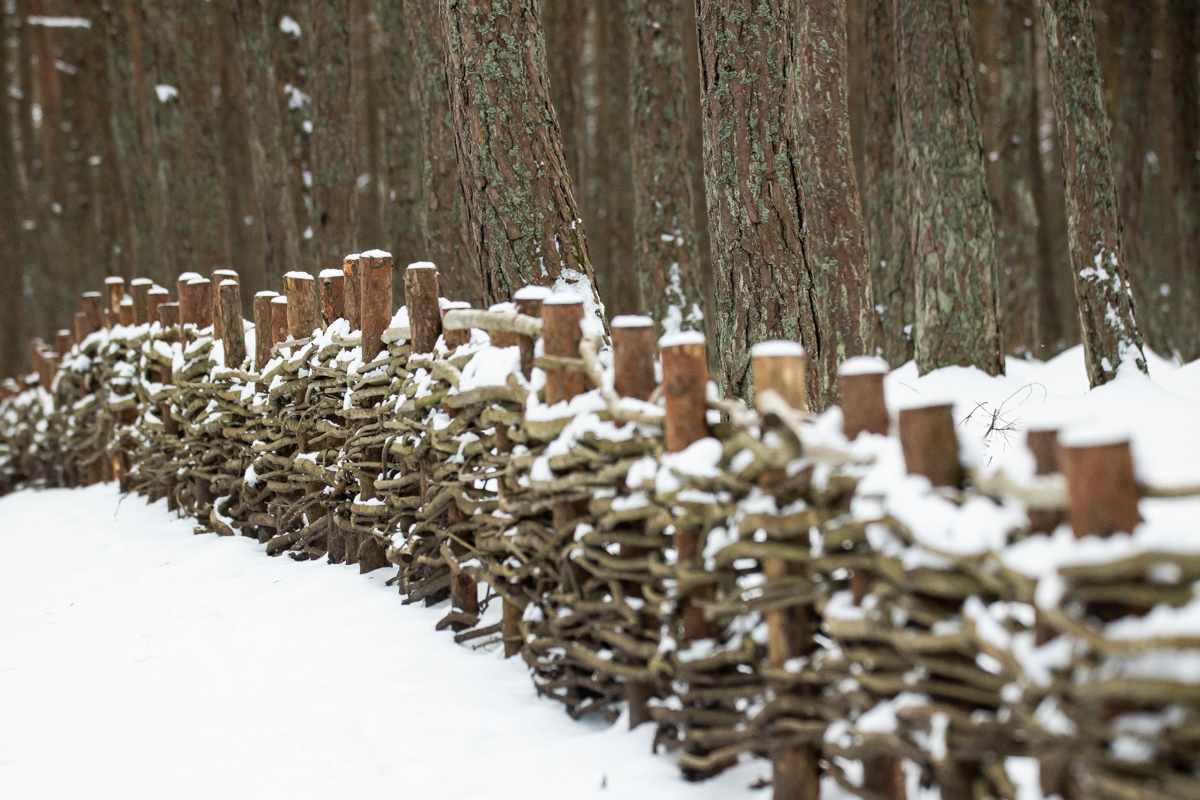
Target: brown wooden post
{"type": "Point", "coordinates": [1044, 446]}
{"type": "Point", "coordinates": [140, 288]}
{"type": "Point", "coordinates": [263, 339]}
{"type": "Point", "coordinates": [685, 384]}
{"type": "Point", "coordinates": [302, 315]}
{"type": "Point", "coordinates": [195, 304]}
{"type": "Point", "coordinates": [81, 326]}
{"type": "Point", "coordinates": [528, 301]}
{"type": "Point", "coordinates": [930, 444]}
{"type": "Point", "coordinates": [508, 338]}
{"type": "Point", "coordinates": [352, 269]}
{"type": "Point", "coordinates": [780, 365]}
{"type": "Point", "coordinates": [375, 300]}
{"type": "Point", "coordinates": [181, 285]}
{"type": "Point", "coordinates": [561, 335]}
{"type": "Point", "coordinates": [126, 317]}
{"type": "Point", "coordinates": [455, 338]}
{"type": "Point", "coordinates": [1102, 491]}
{"type": "Point", "coordinates": [234, 338]}
{"type": "Point", "coordinates": [168, 315]}
{"type": "Point", "coordinates": [90, 304]}
{"type": "Point", "coordinates": [114, 288]}
{"type": "Point", "coordinates": [421, 295]}
{"type": "Point", "coordinates": [860, 382]}
{"type": "Point", "coordinates": [218, 277]}
{"type": "Point", "coordinates": [279, 320]}
{"type": "Point", "coordinates": [155, 297]}
{"type": "Point", "coordinates": [332, 283]}
{"type": "Point", "coordinates": [63, 342]}
{"type": "Point", "coordinates": [633, 343]}
{"type": "Point", "coordinates": [110, 319]}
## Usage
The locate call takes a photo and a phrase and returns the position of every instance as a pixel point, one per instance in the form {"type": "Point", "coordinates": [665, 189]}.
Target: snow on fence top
{"type": "Point", "coordinates": [847, 600]}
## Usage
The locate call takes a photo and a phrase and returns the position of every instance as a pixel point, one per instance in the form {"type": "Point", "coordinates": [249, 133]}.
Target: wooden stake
{"type": "Point", "coordinates": [81, 326]}
{"type": "Point", "coordinates": [860, 382]}
{"type": "Point", "coordinates": [302, 315]}
{"type": "Point", "coordinates": [181, 285]}
{"type": "Point", "coordinates": [421, 294]}
{"type": "Point", "coordinates": [63, 342]}
{"type": "Point", "coordinates": [231, 323]}
{"type": "Point", "coordinates": [930, 444]}
{"type": "Point", "coordinates": [114, 288]}
{"type": "Point", "coordinates": [195, 304]}
{"type": "Point", "coordinates": [561, 335]}
{"type": "Point", "coordinates": [375, 301]}
{"type": "Point", "coordinates": [110, 319]}
{"type": "Point", "coordinates": [332, 284]}
{"type": "Point", "coordinates": [168, 315]}
{"type": "Point", "coordinates": [780, 365]}
{"type": "Point", "coordinates": [1102, 491]}
{"type": "Point", "coordinates": [262, 329]}
{"type": "Point", "coordinates": [633, 343]}
{"type": "Point", "coordinates": [1044, 446]}
{"type": "Point", "coordinates": [352, 269]}
{"type": "Point", "coordinates": [140, 288]}
{"type": "Point", "coordinates": [219, 276]}
{"type": "Point", "coordinates": [155, 297]}
{"type": "Point", "coordinates": [90, 305]}
{"type": "Point", "coordinates": [528, 301]}
{"type": "Point", "coordinates": [126, 317]}
{"type": "Point", "coordinates": [279, 320]}
{"type": "Point", "coordinates": [455, 338]}
{"type": "Point", "coordinates": [507, 338]}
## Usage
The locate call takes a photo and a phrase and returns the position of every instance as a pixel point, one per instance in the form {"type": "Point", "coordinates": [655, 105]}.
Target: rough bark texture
{"type": "Point", "coordinates": [444, 229]}
{"type": "Point", "coordinates": [1106, 313]}
{"type": "Point", "coordinates": [763, 283]}
{"type": "Point", "coordinates": [834, 232]}
{"type": "Point", "coordinates": [564, 24]}
{"type": "Point", "coordinates": [1185, 50]}
{"type": "Point", "coordinates": [12, 271]}
{"type": "Point", "coordinates": [953, 245]}
{"type": "Point", "coordinates": [884, 188]}
{"type": "Point", "coordinates": [524, 220]}
{"type": "Point", "coordinates": [666, 252]}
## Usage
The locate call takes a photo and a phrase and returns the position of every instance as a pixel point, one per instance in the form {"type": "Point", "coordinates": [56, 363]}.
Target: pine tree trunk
{"type": "Point", "coordinates": [524, 220]}
{"type": "Point", "coordinates": [763, 282]}
{"type": "Point", "coordinates": [1106, 313]}
{"type": "Point", "coordinates": [564, 25]}
{"type": "Point", "coordinates": [12, 272]}
{"type": "Point", "coordinates": [444, 228]}
{"type": "Point", "coordinates": [1185, 52]}
{"type": "Point", "coordinates": [952, 245]}
{"type": "Point", "coordinates": [835, 234]}
{"type": "Point", "coordinates": [666, 253]}
{"type": "Point", "coordinates": [884, 189]}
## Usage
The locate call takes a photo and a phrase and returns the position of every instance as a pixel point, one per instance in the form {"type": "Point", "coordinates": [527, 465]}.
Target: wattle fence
{"type": "Point", "coordinates": [837, 593]}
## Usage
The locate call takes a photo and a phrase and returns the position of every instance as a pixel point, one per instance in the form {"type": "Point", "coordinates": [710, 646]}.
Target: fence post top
{"type": "Point", "coordinates": [631, 321]}
{"type": "Point", "coordinates": [532, 293]}
{"type": "Point", "coordinates": [682, 339]}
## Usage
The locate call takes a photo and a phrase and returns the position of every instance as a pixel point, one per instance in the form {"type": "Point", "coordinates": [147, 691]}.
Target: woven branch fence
{"type": "Point", "coordinates": [835, 593]}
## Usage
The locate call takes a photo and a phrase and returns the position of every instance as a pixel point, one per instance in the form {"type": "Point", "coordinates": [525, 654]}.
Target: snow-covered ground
{"type": "Point", "coordinates": [140, 661]}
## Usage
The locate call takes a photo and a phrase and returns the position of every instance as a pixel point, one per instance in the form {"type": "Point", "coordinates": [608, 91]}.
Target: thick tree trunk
{"type": "Point", "coordinates": [1106, 313]}
{"type": "Point", "coordinates": [835, 235]}
{"type": "Point", "coordinates": [445, 232]}
{"type": "Point", "coordinates": [524, 220]}
{"type": "Point", "coordinates": [666, 252]}
{"type": "Point", "coordinates": [884, 188]}
{"type": "Point", "coordinates": [764, 285]}
{"type": "Point", "coordinates": [564, 24]}
{"type": "Point", "coordinates": [1185, 52]}
{"type": "Point", "coordinates": [952, 246]}
{"type": "Point", "coordinates": [12, 272]}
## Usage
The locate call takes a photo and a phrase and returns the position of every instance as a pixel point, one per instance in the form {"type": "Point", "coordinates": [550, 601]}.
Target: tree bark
{"type": "Point", "coordinates": [952, 245]}
{"type": "Point", "coordinates": [1185, 51]}
{"type": "Point", "coordinates": [763, 281]}
{"type": "Point", "coordinates": [445, 232]}
{"type": "Point", "coordinates": [835, 235]}
{"type": "Point", "coordinates": [1106, 312]}
{"type": "Point", "coordinates": [524, 220]}
{"type": "Point", "coordinates": [666, 254]}
{"type": "Point", "coordinates": [12, 272]}
{"type": "Point", "coordinates": [564, 24]}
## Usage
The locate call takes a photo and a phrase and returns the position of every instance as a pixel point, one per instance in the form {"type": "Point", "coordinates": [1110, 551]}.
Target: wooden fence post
{"type": "Point", "coordinates": [780, 365]}
{"type": "Point", "coordinates": [114, 287]}
{"type": "Point", "coordinates": [1102, 491]}
{"type": "Point", "coordinates": [930, 444]}
{"type": "Point", "coordinates": [1044, 446]}
{"type": "Point", "coordinates": [685, 387]}
{"type": "Point", "coordinates": [126, 316]}
{"type": "Point", "coordinates": [633, 344]}
{"type": "Point", "coordinates": [234, 339]}
{"type": "Point", "coordinates": [90, 304]}
{"type": "Point", "coordinates": [155, 297]}
{"type": "Point", "coordinates": [218, 277]}
{"type": "Point", "coordinates": [333, 295]}
{"type": "Point", "coordinates": [168, 315]}
{"type": "Point", "coordinates": [455, 338]}
{"type": "Point", "coordinates": [140, 289]}
{"type": "Point", "coordinates": [262, 329]}
{"type": "Point", "coordinates": [528, 300]}
{"type": "Point", "coordinates": [352, 270]}
{"type": "Point", "coordinates": [561, 336]}
{"type": "Point", "coordinates": [860, 382]}
{"type": "Point", "coordinates": [195, 305]}
{"type": "Point", "coordinates": [63, 342]}
{"type": "Point", "coordinates": [302, 315]}
{"type": "Point", "coordinates": [279, 320]}
{"type": "Point", "coordinates": [375, 301]}
{"type": "Point", "coordinates": [181, 288]}
{"type": "Point", "coordinates": [421, 294]}
{"type": "Point", "coordinates": [81, 326]}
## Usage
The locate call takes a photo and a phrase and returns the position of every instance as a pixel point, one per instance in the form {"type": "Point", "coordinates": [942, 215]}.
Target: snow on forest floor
{"type": "Point", "coordinates": [140, 661]}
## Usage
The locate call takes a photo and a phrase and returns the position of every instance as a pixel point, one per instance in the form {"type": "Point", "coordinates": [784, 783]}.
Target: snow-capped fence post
{"type": "Point", "coordinates": [90, 304]}
{"type": "Point", "coordinates": [455, 337]}
{"type": "Point", "coordinates": [528, 301]}
{"type": "Point", "coordinates": [81, 326]}
{"type": "Point", "coordinates": [351, 271]}
{"type": "Point", "coordinates": [168, 315]}
{"type": "Point", "coordinates": [780, 366]}
{"type": "Point", "coordinates": [126, 315]}
{"type": "Point", "coordinates": [234, 339]}
{"type": "Point", "coordinates": [1044, 446]}
{"type": "Point", "coordinates": [1102, 491]}
{"type": "Point", "coordinates": [114, 286]}
{"type": "Point", "coordinates": [375, 302]}
{"type": "Point", "coordinates": [302, 315]}
{"type": "Point", "coordinates": [262, 329]}
{"type": "Point", "coordinates": [633, 344]}
{"type": "Point", "coordinates": [930, 444]}
{"type": "Point", "coordinates": [860, 382]}
{"type": "Point", "coordinates": [332, 283]}
{"type": "Point", "coordinates": [279, 319]}
{"type": "Point", "coordinates": [63, 342]}
{"type": "Point", "coordinates": [685, 387]}
{"type": "Point", "coordinates": [139, 288]}
{"type": "Point", "coordinates": [195, 306]}
{"type": "Point", "coordinates": [421, 296]}
{"type": "Point", "coordinates": [561, 335]}
{"type": "Point", "coordinates": [155, 297]}
{"type": "Point", "coordinates": [219, 276]}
